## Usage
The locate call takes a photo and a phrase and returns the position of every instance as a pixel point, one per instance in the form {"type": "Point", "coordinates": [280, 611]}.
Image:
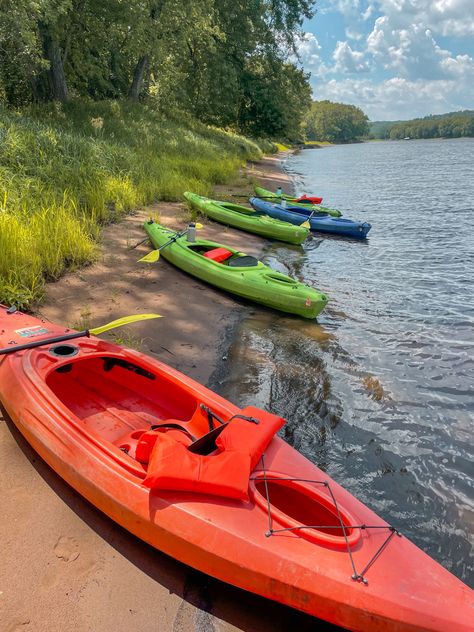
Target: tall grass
{"type": "Point", "coordinates": [65, 170]}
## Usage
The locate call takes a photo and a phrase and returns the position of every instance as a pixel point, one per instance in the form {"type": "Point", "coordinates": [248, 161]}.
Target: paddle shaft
{"type": "Point", "coordinates": [45, 341]}
{"type": "Point", "coordinates": [167, 243]}
{"type": "Point", "coordinates": [176, 236]}
{"type": "Point", "coordinates": [142, 241]}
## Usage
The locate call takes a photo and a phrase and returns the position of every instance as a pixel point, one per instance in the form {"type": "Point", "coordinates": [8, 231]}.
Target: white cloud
{"type": "Point", "coordinates": [443, 17]}
{"type": "Point", "coordinates": [412, 52]}
{"type": "Point", "coordinates": [346, 7]}
{"type": "Point", "coordinates": [309, 50]}
{"type": "Point", "coordinates": [398, 98]}
{"type": "Point", "coordinates": [353, 35]}
{"type": "Point", "coordinates": [404, 42]}
{"type": "Point", "coordinates": [348, 60]}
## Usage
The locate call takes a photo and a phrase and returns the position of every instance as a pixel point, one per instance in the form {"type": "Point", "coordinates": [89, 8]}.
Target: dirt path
{"type": "Point", "coordinates": [64, 565]}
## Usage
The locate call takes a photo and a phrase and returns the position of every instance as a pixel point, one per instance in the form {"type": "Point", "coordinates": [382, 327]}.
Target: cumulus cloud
{"type": "Point", "coordinates": [309, 52]}
{"type": "Point", "coordinates": [412, 52]}
{"type": "Point", "coordinates": [443, 17]}
{"type": "Point", "coordinates": [348, 60]}
{"type": "Point", "coordinates": [353, 35]}
{"type": "Point", "coordinates": [404, 42]}
{"type": "Point", "coordinates": [346, 7]}
{"type": "Point", "coordinates": [398, 98]}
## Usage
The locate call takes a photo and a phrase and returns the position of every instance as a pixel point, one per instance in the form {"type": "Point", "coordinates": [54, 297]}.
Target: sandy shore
{"type": "Point", "coordinates": [64, 565]}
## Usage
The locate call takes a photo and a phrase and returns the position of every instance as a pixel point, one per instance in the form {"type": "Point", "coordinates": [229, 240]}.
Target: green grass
{"type": "Point", "coordinates": [66, 170]}
{"type": "Point", "coordinates": [321, 143]}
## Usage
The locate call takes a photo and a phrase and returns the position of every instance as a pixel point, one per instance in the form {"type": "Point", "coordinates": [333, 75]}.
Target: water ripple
{"type": "Point", "coordinates": [380, 392]}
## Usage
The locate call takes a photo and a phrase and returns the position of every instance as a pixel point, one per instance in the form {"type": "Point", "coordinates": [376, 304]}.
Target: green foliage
{"type": "Point", "coordinates": [80, 155]}
{"type": "Point", "coordinates": [223, 61]}
{"type": "Point", "coordinates": [278, 95]}
{"type": "Point", "coordinates": [335, 122]}
{"type": "Point", "coordinates": [449, 125]}
{"type": "Point", "coordinates": [66, 169]}
{"type": "Point", "coordinates": [452, 125]}
{"type": "Point", "coordinates": [381, 129]}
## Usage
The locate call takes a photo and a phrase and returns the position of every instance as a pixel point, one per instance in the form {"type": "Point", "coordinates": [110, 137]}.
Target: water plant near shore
{"type": "Point", "coordinates": [67, 169]}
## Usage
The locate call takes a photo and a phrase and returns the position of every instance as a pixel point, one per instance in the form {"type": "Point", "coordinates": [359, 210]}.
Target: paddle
{"type": "Point", "coordinates": [120, 322]}
{"type": "Point", "coordinates": [154, 255]}
{"type": "Point", "coordinates": [306, 223]}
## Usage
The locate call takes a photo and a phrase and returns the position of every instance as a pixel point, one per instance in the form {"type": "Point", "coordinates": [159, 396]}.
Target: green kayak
{"type": "Point", "coordinates": [247, 219]}
{"type": "Point", "coordinates": [237, 273]}
{"type": "Point", "coordinates": [276, 199]}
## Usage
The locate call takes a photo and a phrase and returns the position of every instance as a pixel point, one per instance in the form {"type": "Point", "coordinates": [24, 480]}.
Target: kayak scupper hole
{"type": "Point", "coordinates": [64, 351]}
{"type": "Point", "coordinates": [304, 507]}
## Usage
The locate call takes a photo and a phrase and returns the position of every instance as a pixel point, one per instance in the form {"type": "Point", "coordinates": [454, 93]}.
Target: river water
{"type": "Point", "coordinates": [379, 392]}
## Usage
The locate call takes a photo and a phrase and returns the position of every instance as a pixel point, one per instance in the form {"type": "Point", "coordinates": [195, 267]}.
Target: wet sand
{"type": "Point", "coordinates": [66, 566]}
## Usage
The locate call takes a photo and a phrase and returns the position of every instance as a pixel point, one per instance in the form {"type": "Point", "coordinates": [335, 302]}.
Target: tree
{"type": "Point", "coordinates": [226, 62]}
{"type": "Point", "coordinates": [335, 122]}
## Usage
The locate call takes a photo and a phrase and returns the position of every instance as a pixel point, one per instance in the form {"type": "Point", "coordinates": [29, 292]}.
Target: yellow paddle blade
{"type": "Point", "coordinates": [151, 257]}
{"type": "Point", "coordinates": [305, 225]}
{"type": "Point", "coordinates": [198, 226]}
{"type": "Point", "coordinates": [120, 322]}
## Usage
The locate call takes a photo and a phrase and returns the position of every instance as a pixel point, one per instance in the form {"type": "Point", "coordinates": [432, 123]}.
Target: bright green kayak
{"type": "Point", "coordinates": [247, 219]}
{"type": "Point", "coordinates": [237, 273]}
{"type": "Point", "coordinates": [276, 199]}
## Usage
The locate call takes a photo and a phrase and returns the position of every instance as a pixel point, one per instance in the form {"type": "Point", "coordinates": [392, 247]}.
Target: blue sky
{"type": "Point", "coordinates": [396, 59]}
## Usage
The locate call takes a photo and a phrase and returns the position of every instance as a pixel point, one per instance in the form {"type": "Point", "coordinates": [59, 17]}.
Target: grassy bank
{"type": "Point", "coordinates": [66, 170]}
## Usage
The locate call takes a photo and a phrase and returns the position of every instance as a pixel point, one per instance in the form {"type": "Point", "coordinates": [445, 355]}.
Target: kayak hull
{"type": "Point", "coordinates": [247, 219]}
{"type": "Point", "coordinates": [321, 223]}
{"type": "Point", "coordinates": [269, 196]}
{"type": "Point", "coordinates": [256, 283]}
{"type": "Point", "coordinates": [77, 432]}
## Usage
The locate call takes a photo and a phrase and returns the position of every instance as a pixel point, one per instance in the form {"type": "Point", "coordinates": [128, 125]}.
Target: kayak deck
{"type": "Point", "coordinates": [269, 196]}
{"type": "Point", "coordinates": [247, 219]}
{"type": "Point", "coordinates": [318, 220]}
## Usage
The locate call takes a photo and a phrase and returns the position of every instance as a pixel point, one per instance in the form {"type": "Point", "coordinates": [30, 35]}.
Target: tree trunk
{"type": "Point", "coordinates": [138, 77]}
{"type": "Point", "coordinates": [56, 77]}
{"type": "Point", "coordinates": [56, 74]}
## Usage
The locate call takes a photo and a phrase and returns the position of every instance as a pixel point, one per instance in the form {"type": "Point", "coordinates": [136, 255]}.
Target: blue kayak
{"type": "Point", "coordinates": [321, 222]}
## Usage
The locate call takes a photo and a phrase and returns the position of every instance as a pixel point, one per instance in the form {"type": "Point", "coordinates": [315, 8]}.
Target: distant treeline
{"type": "Point", "coordinates": [451, 125]}
{"type": "Point", "coordinates": [335, 122]}
{"type": "Point", "coordinates": [225, 62]}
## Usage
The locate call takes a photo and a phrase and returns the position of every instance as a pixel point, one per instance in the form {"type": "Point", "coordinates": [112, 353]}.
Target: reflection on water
{"type": "Point", "coordinates": [379, 392]}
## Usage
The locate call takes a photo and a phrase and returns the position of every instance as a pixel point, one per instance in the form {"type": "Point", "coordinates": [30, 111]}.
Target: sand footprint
{"type": "Point", "coordinates": [67, 549]}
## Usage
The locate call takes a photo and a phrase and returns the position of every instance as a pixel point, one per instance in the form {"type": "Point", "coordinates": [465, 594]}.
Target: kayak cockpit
{"type": "Point", "coordinates": [164, 430]}
{"type": "Point", "coordinates": [113, 396]}
{"type": "Point", "coordinates": [224, 256]}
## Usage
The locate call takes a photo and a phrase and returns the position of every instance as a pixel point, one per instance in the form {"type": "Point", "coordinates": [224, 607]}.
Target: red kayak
{"type": "Point", "coordinates": [213, 486]}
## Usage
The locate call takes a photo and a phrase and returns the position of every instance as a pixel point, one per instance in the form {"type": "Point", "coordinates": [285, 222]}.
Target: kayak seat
{"type": "Point", "coordinates": [243, 262]}
{"type": "Point", "coordinates": [218, 254]}
{"type": "Point", "coordinates": [239, 445]}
